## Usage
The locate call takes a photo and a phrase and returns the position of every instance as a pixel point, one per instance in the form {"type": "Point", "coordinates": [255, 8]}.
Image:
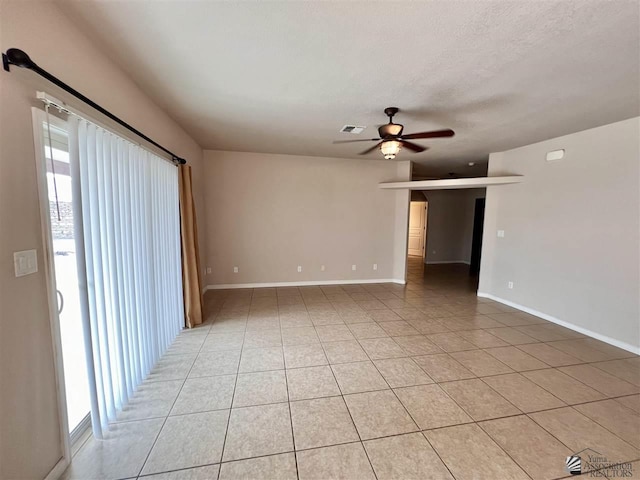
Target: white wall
{"type": "Point", "coordinates": [269, 213]}
{"type": "Point", "coordinates": [404, 171]}
{"type": "Point", "coordinates": [450, 224]}
{"type": "Point", "coordinates": [572, 231]}
{"type": "Point", "coordinates": [30, 443]}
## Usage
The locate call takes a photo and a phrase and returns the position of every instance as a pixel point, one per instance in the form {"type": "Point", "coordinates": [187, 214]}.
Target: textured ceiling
{"type": "Point", "coordinates": [284, 77]}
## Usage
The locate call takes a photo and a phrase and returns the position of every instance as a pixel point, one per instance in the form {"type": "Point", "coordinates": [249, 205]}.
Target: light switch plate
{"type": "Point", "coordinates": [501, 233]}
{"type": "Point", "coordinates": [25, 262]}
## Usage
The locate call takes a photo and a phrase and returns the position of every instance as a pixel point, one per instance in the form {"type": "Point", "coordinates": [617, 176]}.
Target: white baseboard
{"type": "Point", "coordinates": [445, 262]}
{"type": "Point", "coordinates": [311, 283]}
{"type": "Point", "coordinates": [585, 331]}
{"type": "Point", "coordinates": [57, 471]}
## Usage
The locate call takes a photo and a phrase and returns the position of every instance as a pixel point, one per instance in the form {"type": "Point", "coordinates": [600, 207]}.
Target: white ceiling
{"type": "Point", "coordinates": [284, 77]}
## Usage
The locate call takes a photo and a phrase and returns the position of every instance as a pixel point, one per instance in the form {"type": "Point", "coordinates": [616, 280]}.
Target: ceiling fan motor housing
{"type": "Point", "coordinates": [390, 130]}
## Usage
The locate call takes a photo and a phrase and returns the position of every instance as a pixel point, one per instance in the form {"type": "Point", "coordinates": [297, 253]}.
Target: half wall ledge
{"type": "Point", "coordinates": [452, 183]}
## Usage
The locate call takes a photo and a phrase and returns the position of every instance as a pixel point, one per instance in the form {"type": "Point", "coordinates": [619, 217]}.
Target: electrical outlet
{"type": "Point", "coordinates": [510, 285]}
{"type": "Point", "coordinates": [375, 266]}
{"type": "Point", "coordinates": [236, 269]}
{"type": "Point", "coordinates": [501, 233]}
{"type": "Point", "coordinates": [208, 270]}
{"type": "Point", "coordinates": [299, 268]}
{"type": "Point", "coordinates": [353, 267]}
{"type": "Point", "coordinates": [322, 268]}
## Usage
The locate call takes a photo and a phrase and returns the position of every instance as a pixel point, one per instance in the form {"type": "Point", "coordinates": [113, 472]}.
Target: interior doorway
{"type": "Point", "coordinates": [476, 241]}
{"type": "Point", "coordinates": [445, 230]}
{"type": "Point", "coordinates": [417, 229]}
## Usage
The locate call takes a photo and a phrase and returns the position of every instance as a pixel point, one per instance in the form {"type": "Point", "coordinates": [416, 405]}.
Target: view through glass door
{"type": "Point", "coordinates": [66, 276]}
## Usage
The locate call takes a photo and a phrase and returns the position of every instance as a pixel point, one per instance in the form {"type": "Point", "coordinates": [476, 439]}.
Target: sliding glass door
{"type": "Point", "coordinates": [58, 199]}
{"type": "Point", "coordinates": [111, 223]}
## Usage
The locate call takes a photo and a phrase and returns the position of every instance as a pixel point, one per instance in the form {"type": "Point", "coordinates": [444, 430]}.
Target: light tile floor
{"type": "Point", "coordinates": [374, 381]}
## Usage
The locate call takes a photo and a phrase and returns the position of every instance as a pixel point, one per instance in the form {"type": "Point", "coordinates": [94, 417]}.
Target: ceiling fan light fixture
{"type": "Point", "coordinates": [390, 149]}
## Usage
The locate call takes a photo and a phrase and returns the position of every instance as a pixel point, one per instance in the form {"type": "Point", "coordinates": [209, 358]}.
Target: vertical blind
{"type": "Point", "coordinates": [130, 233]}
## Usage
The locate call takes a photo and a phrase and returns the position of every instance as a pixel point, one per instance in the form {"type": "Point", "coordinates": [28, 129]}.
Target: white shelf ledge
{"type": "Point", "coordinates": [477, 182]}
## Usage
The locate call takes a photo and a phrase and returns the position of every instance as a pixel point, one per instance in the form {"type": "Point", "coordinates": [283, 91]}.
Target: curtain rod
{"type": "Point", "coordinates": [17, 57]}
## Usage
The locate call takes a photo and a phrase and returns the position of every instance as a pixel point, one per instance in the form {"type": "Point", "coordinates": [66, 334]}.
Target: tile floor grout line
{"type": "Point", "coordinates": [539, 386]}
{"type": "Point", "coordinates": [437, 453]}
{"type": "Point", "coordinates": [420, 431]}
{"type": "Point", "coordinates": [525, 353]}
{"type": "Point", "coordinates": [573, 378]}
{"type": "Point", "coordinates": [497, 393]}
{"type": "Point", "coordinates": [604, 427]}
{"type": "Point", "coordinates": [529, 415]}
{"type": "Point", "coordinates": [501, 448]}
{"type": "Point", "coordinates": [233, 395]}
{"type": "Point", "coordinates": [164, 422]}
{"type": "Point", "coordinates": [588, 418]}
{"type": "Point", "coordinates": [409, 413]}
{"type": "Point", "coordinates": [293, 437]}
{"type": "Point", "coordinates": [578, 361]}
{"type": "Point", "coordinates": [168, 413]}
{"type": "Point", "coordinates": [594, 388]}
{"type": "Point", "coordinates": [344, 402]}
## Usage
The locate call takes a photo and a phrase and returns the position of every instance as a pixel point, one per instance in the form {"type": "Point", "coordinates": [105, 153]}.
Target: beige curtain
{"type": "Point", "coordinates": [190, 254]}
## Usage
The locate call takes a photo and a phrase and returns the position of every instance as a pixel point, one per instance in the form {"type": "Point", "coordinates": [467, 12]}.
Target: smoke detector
{"type": "Point", "coordinates": [352, 129]}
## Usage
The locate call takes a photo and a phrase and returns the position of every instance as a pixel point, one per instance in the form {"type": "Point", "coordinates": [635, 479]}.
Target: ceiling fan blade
{"type": "Point", "coordinates": [434, 134]}
{"type": "Point", "coordinates": [369, 150]}
{"type": "Point", "coordinates": [359, 140]}
{"type": "Point", "coordinates": [413, 146]}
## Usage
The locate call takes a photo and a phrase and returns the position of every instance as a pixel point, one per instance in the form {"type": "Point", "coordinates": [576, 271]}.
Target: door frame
{"type": "Point", "coordinates": [38, 118]}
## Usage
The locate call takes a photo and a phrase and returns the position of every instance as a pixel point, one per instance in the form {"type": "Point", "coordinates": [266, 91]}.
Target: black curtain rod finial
{"type": "Point", "coordinates": [19, 58]}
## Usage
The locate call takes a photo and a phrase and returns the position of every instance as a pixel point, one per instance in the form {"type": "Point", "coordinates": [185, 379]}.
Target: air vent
{"type": "Point", "coordinates": [352, 129]}
{"type": "Point", "coordinates": [555, 155]}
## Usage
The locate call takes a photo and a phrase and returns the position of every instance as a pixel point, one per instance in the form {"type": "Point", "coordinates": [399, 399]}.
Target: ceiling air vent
{"type": "Point", "coordinates": [352, 129]}
{"type": "Point", "coordinates": [555, 155]}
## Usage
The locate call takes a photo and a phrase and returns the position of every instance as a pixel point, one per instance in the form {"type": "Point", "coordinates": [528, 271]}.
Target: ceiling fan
{"type": "Point", "coordinates": [392, 140]}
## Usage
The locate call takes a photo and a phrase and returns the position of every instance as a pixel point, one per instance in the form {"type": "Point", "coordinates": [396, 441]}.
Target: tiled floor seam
{"type": "Point", "coordinates": [168, 413]}
{"type": "Point", "coordinates": [408, 412]}
{"type": "Point", "coordinates": [224, 442]}
{"type": "Point", "coordinates": [580, 413]}
{"type": "Point", "coordinates": [460, 406]}
{"type": "Point", "coordinates": [352, 421]}
{"type": "Point", "coordinates": [411, 416]}
{"type": "Point", "coordinates": [293, 436]}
